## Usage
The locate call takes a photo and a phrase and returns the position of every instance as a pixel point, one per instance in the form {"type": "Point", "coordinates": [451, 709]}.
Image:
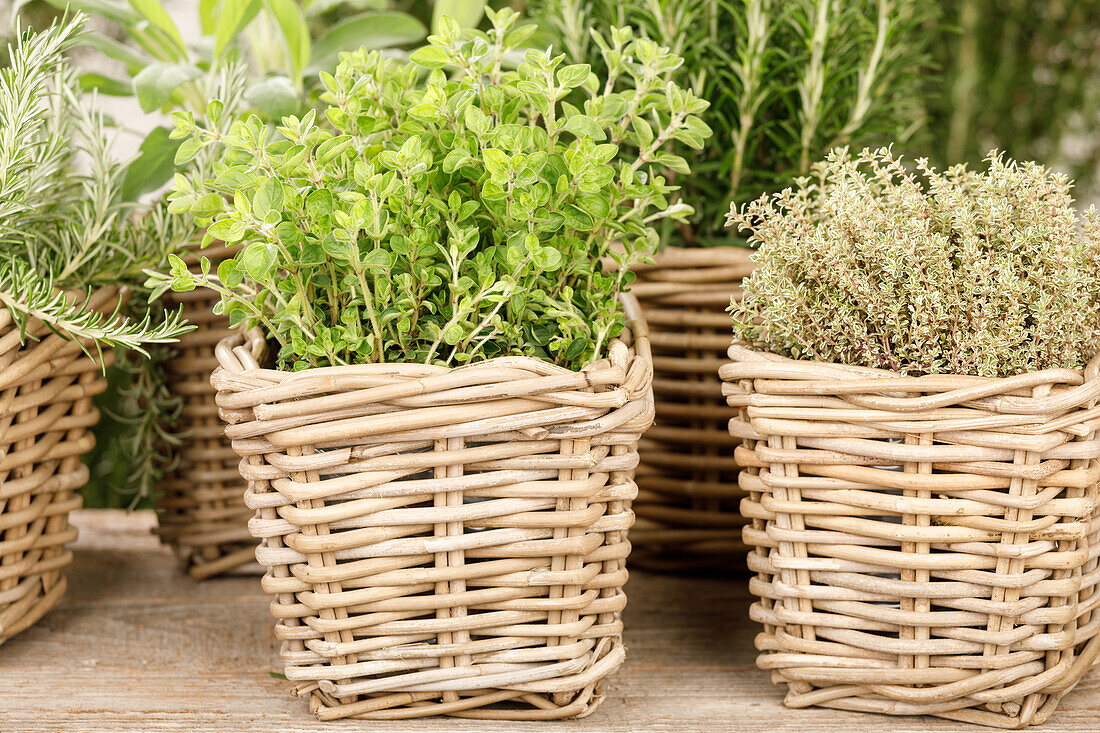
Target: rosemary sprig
{"type": "Point", "coordinates": [27, 295]}
{"type": "Point", "coordinates": [63, 226]}
{"type": "Point", "coordinates": [787, 80]}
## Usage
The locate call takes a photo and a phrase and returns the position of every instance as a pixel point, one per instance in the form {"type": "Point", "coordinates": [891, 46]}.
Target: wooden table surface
{"type": "Point", "coordinates": [137, 646]}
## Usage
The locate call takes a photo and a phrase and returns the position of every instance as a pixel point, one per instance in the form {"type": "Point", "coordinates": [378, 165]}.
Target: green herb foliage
{"type": "Point", "coordinates": [988, 273]}
{"type": "Point", "coordinates": [787, 80]}
{"type": "Point", "coordinates": [137, 440]}
{"type": "Point", "coordinates": [271, 49]}
{"type": "Point", "coordinates": [439, 218]}
{"type": "Point", "coordinates": [1023, 77]}
{"type": "Point", "coordinates": [63, 227]}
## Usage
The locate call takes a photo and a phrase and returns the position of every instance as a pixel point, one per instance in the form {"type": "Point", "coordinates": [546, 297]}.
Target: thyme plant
{"type": "Point", "coordinates": [448, 210]}
{"type": "Point", "coordinates": [63, 231]}
{"type": "Point", "coordinates": [787, 80]}
{"type": "Point", "coordinates": [989, 273]}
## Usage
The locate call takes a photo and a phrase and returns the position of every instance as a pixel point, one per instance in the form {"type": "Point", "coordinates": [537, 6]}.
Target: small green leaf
{"type": "Point", "coordinates": [577, 217]}
{"type": "Point", "coordinates": [153, 167]}
{"type": "Point", "coordinates": [453, 334]}
{"type": "Point", "coordinates": [258, 260]}
{"type": "Point", "coordinates": [226, 230]}
{"type": "Point", "coordinates": [156, 83]}
{"type": "Point", "coordinates": [582, 125]}
{"type": "Point", "coordinates": [274, 96]}
{"type": "Point", "coordinates": [186, 151]}
{"type": "Point", "coordinates": [269, 197]}
{"type": "Point", "coordinates": [230, 274]}
{"type": "Point", "coordinates": [207, 206]}
{"type": "Point", "coordinates": [430, 57]}
{"type": "Point", "coordinates": [575, 348]}
{"type": "Point", "coordinates": [571, 77]}
{"type": "Point", "coordinates": [319, 203]}
{"type": "Point", "coordinates": [378, 260]}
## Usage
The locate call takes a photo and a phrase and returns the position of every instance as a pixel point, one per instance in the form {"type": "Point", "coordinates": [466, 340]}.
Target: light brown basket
{"type": "Point", "coordinates": [922, 545]}
{"type": "Point", "coordinates": [46, 412]}
{"type": "Point", "coordinates": [688, 495]}
{"type": "Point", "coordinates": [443, 541]}
{"type": "Point", "coordinates": [200, 505]}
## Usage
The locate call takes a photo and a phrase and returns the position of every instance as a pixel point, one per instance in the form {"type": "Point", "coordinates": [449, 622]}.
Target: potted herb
{"type": "Point", "coordinates": [439, 406]}
{"type": "Point", "coordinates": [916, 385]}
{"type": "Point", "coordinates": [786, 82]}
{"type": "Point", "coordinates": [68, 243]}
{"type": "Point", "coordinates": [261, 56]}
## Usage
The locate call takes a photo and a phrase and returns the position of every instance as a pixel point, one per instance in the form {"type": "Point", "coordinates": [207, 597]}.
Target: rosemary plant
{"type": "Point", "coordinates": [62, 230]}
{"type": "Point", "coordinates": [66, 228]}
{"type": "Point", "coordinates": [1023, 77]}
{"type": "Point", "coordinates": [787, 80]}
{"type": "Point", "coordinates": [990, 273]}
{"type": "Point", "coordinates": [445, 218]}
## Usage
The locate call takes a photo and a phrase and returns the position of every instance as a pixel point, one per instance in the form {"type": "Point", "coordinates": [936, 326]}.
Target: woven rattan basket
{"type": "Point", "coordinates": [46, 412]}
{"type": "Point", "coordinates": [925, 544]}
{"type": "Point", "coordinates": [688, 495]}
{"type": "Point", "coordinates": [443, 541]}
{"type": "Point", "coordinates": [201, 506]}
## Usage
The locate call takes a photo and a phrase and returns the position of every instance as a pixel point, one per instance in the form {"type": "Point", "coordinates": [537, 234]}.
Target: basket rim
{"type": "Point", "coordinates": [1069, 389]}
{"type": "Point", "coordinates": [236, 351]}
{"type": "Point", "coordinates": [248, 393]}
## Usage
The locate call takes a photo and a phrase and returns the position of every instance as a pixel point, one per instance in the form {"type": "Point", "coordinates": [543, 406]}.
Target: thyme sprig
{"type": "Point", "coordinates": [876, 263]}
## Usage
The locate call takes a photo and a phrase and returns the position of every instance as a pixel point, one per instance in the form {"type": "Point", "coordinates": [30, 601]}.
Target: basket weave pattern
{"type": "Point", "coordinates": [443, 541]}
{"type": "Point", "coordinates": [46, 412]}
{"type": "Point", "coordinates": [688, 494]}
{"type": "Point", "coordinates": [921, 545]}
{"type": "Point", "coordinates": [200, 507]}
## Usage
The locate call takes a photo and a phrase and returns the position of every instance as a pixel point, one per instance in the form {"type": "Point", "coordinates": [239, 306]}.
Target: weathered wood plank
{"type": "Point", "coordinates": [138, 646]}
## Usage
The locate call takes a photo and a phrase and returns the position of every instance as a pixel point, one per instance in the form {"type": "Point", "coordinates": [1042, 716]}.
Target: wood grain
{"type": "Point", "coordinates": [138, 646]}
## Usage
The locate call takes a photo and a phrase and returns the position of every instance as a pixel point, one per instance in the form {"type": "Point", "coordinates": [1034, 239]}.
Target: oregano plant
{"type": "Point", "coordinates": [446, 210]}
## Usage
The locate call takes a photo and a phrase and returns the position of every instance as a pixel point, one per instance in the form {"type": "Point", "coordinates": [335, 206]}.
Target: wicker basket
{"type": "Point", "coordinates": [201, 506]}
{"type": "Point", "coordinates": [688, 496]}
{"type": "Point", "coordinates": [921, 545]}
{"type": "Point", "coordinates": [46, 412]}
{"type": "Point", "coordinates": [443, 541]}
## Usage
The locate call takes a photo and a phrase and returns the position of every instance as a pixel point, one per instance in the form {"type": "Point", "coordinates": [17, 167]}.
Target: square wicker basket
{"type": "Point", "coordinates": [46, 388]}
{"type": "Point", "coordinates": [922, 545]}
{"type": "Point", "coordinates": [688, 495]}
{"type": "Point", "coordinates": [200, 507]}
{"type": "Point", "coordinates": [443, 541]}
